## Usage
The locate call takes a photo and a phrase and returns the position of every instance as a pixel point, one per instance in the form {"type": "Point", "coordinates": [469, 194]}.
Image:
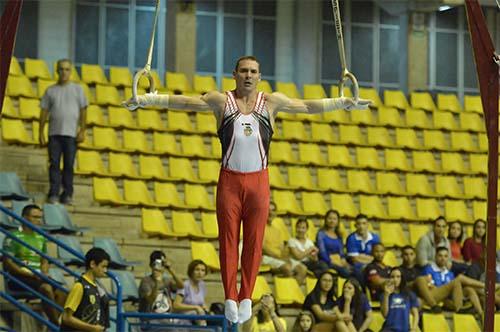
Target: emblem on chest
{"type": "Point", "coordinates": [247, 129]}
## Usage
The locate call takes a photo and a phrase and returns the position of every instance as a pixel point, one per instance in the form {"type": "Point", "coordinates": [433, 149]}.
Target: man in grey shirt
{"type": "Point", "coordinates": [64, 105]}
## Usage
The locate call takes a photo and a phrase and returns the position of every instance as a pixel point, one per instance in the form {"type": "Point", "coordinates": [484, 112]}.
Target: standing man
{"type": "Point", "coordinates": [64, 105]}
{"type": "Point", "coordinates": [245, 121]}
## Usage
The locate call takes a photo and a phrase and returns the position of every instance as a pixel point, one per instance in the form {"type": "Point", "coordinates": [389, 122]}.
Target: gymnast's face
{"type": "Point", "coordinates": [247, 76]}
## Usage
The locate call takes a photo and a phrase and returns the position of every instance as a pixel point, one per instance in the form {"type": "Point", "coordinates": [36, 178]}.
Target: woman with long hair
{"type": "Point", "coordinates": [456, 237]}
{"type": "Point", "coordinates": [304, 323]}
{"type": "Point", "coordinates": [397, 303]}
{"type": "Point", "coordinates": [321, 300]}
{"type": "Point", "coordinates": [474, 246]}
{"type": "Point", "coordinates": [353, 310]}
{"type": "Point", "coordinates": [331, 247]}
{"type": "Point", "coordinates": [265, 317]}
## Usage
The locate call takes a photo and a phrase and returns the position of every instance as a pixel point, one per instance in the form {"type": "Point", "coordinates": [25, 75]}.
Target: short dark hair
{"type": "Point", "coordinates": [441, 248]}
{"type": "Point", "coordinates": [156, 254]}
{"type": "Point", "coordinates": [406, 247]}
{"type": "Point", "coordinates": [380, 244]}
{"type": "Point", "coordinates": [97, 255]}
{"type": "Point", "coordinates": [28, 208]}
{"type": "Point", "coordinates": [361, 216]}
{"type": "Point", "coordinates": [301, 220]}
{"type": "Point", "coordinates": [246, 57]}
{"type": "Point", "coordinates": [434, 222]}
{"type": "Point", "coordinates": [58, 64]}
{"type": "Point", "coordinates": [194, 264]}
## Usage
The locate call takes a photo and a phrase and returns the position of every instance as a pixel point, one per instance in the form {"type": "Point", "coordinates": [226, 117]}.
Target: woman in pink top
{"type": "Point", "coordinates": [456, 237]}
{"type": "Point", "coordinates": [474, 246]}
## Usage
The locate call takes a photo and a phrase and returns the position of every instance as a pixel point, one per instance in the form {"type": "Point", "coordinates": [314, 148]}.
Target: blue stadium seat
{"type": "Point", "coordinates": [130, 291]}
{"type": "Point", "coordinates": [57, 218]}
{"type": "Point", "coordinates": [8, 222]}
{"type": "Point", "coordinates": [57, 275]}
{"type": "Point", "coordinates": [66, 257]}
{"type": "Point", "coordinates": [109, 245]}
{"type": "Point", "coordinates": [11, 187]}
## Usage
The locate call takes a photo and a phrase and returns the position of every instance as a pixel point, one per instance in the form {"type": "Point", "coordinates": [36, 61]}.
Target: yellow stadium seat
{"type": "Point", "coordinates": [179, 121]}
{"type": "Point", "coordinates": [418, 184]}
{"type": "Point", "coordinates": [482, 142]}
{"type": "Point", "coordinates": [359, 181]}
{"type": "Point", "coordinates": [416, 231]}
{"type": "Point", "coordinates": [207, 253]}
{"type": "Point", "coordinates": [144, 82]}
{"type": "Point", "coordinates": [478, 163]}
{"type": "Point", "coordinates": [121, 164]}
{"type": "Point", "coordinates": [196, 196]}
{"type": "Point", "coordinates": [209, 170]}
{"type": "Point", "coordinates": [209, 226]}
{"type": "Point", "coordinates": [396, 99]}
{"type": "Point", "coordinates": [362, 117]}
{"type": "Point", "coordinates": [287, 291]}
{"type": "Point", "coordinates": [314, 91]}
{"type": "Point", "coordinates": [193, 146]}
{"type": "Point", "coordinates": [396, 160]}
{"type": "Point", "coordinates": [372, 206]}
{"type": "Point", "coordinates": [464, 322]}
{"type": "Point", "coordinates": [19, 86]}
{"type": "Point", "coordinates": [8, 109]}
{"type": "Point", "coordinates": [90, 162]}
{"type": "Point", "coordinates": [36, 68]}
{"type": "Point", "coordinates": [388, 183]}
{"type": "Point", "coordinates": [350, 135]}
{"type": "Point", "coordinates": [329, 179]}
{"type": "Point", "coordinates": [120, 117]}
{"type": "Point", "coordinates": [344, 204]}
{"type": "Point", "coordinates": [377, 319]}
{"type": "Point", "coordinates": [314, 203]}
{"type": "Point", "coordinates": [177, 82]}
{"type": "Point", "coordinates": [448, 102]}
{"type": "Point", "coordinates": [136, 192]}
{"type": "Point", "coordinates": [428, 208]}
{"type": "Point", "coordinates": [452, 163]}
{"type": "Point", "coordinates": [368, 158]}
{"type": "Point", "coordinates": [264, 86]}
{"type": "Point", "coordinates": [434, 139]}
{"type": "Point", "coordinates": [184, 223]}
{"type": "Point", "coordinates": [165, 143]}
{"type": "Point", "coordinates": [204, 84]}
{"type": "Point", "coordinates": [337, 116]}
{"type": "Point", "coordinates": [407, 138]}
{"type": "Point", "coordinates": [479, 210]}
{"type": "Point", "coordinates": [120, 76]}
{"type": "Point", "coordinates": [95, 116]}
{"type": "Point", "coordinates": [153, 223]}
{"type": "Point", "coordinates": [88, 94]}
{"type": "Point", "coordinates": [166, 194]}
{"type": "Point", "coordinates": [228, 84]}
{"type": "Point", "coordinates": [280, 224]}
{"type": "Point", "coordinates": [35, 131]}
{"type": "Point", "coordinates": [475, 187]}
{"type": "Point", "coordinates": [93, 74]}
{"type": "Point", "coordinates": [106, 192]}
{"type": "Point", "coordinates": [43, 85]}
{"type": "Point", "coordinates": [311, 154]}
{"type": "Point", "coordinates": [29, 109]}
{"type": "Point", "coordinates": [472, 122]}
{"type": "Point", "coordinates": [293, 130]}
{"type": "Point", "coordinates": [371, 94]}
{"type": "Point", "coordinates": [206, 123]}
{"type": "Point", "coordinates": [455, 210]}
{"type": "Point", "coordinates": [389, 117]}
{"type": "Point", "coordinates": [310, 284]}
{"type": "Point", "coordinates": [135, 140]}
{"type": "Point", "coordinates": [417, 118]}
{"type": "Point", "coordinates": [435, 322]}
{"type": "Point", "coordinates": [339, 155]}
{"type": "Point", "coordinates": [216, 147]}
{"type": "Point", "coordinates": [334, 91]}
{"type": "Point", "coordinates": [289, 89]}
{"type": "Point", "coordinates": [107, 95]}
{"type": "Point", "coordinates": [390, 258]}
{"type": "Point", "coordinates": [13, 131]}
{"type": "Point", "coordinates": [286, 202]}
{"type": "Point", "coordinates": [379, 136]}
{"type": "Point", "coordinates": [300, 178]}
{"type": "Point", "coordinates": [276, 179]}
{"type": "Point", "coordinates": [282, 152]}
{"type": "Point", "coordinates": [105, 138]}
{"type": "Point", "coordinates": [473, 104]}
{"type": "Point", "coordinates": [322, 132]}
{"type": "Point", "coordinates": [400, 208]}
{"type": "Point", "coordinates": [15, 68]}
{"type": "Point", "coordinates": [150, 120]}
{"type": "Point", "coordinates": [444, 120]}
{"type": "Point", "coordinates": [422, 100]}
{"type": "Point", "coordinates": [447, 186]}
{"type": "Point", "coordinates": [462, 141]}
{"type": "Point", "coordinates": [152, 167]}
{"type": "Point", "coordinates": [181, 169]}
{"type": "Point", "coordinates": [261, 288]}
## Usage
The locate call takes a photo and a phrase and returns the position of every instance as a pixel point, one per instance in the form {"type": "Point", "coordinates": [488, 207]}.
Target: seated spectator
{"type": "Point", "coordinates": [191, 298]}
{"type": "Point", "coordinates": [34, 261]}
{"type": "Point", "coordinates": [377, 273]}
{"type": "Point", "coordinates": [87, 306]}
{"type": "Point", "coordinates": [265, 317]}
{"type": "Point", "coordinates": [303, 250]}
{"type": "Point", "coordinates": [352, 308]}
{"type": "Point", "coordinates": [456, 237]}
{"type": "Point", "coordinates": [331, 248]}
{"type": "Point", "coordinates": [156, 290]}
{"type": "Point", "coordinates": [321, 302]}
{"type": "Point", "coordinates": [304, 322]}
{"type": "Point", "coordinates": [474, 246]}
{"type": "Point", "coordinates": [397, 303]}
{"type": "Point", "coordinates": [428, 243]}
{"type": "Point", "coordinates": [477, 271]}
{"type": "Point", "coordinates": [409, 267]}
{"type": "Point", "coordinates": [276, 254]}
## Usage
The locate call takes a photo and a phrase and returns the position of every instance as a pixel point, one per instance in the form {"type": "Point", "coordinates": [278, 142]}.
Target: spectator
{"type": "Point", "coordinates": [156, 289]}
{"type": "Point", "coordinates": [397, 303]}
{"type": "Point", "coordinates": [265, 317]}
{"type": "Point", "coordinates": [476, 271]}
{"type": "Point", "coordinates": [87, 306]}
{"type": "Point", "coordinates": [360, 243]}
{"type": "Point", "coordinates": [34, 261]}
{"type": "Point", "coordinates": [377, 273]}
{"type": "Point", "coordinates": [331, 248]}
{"type": "Point", "coordinates": [409, 267]}
{"type": "Point", "coordinates": [191, 298]}
{"type": "Point", "coordinates": [64, 105]}
{"type": "Point", "coordinates": [428, 243]}
{"type": "Point", "coordinates": [275, 253]}
{"type": "Point", "coordinates": [474, 246]}
{"type": "Point", "coordinates": [304, 251]}
{"type": "Point", "coordinates": [456, 238]}
{"type": "Point", "coordinates": [352, 309]}
{"type": "Point", "coordinates": [304, 323]}
{"type": "Point", "coordinates": [321, 301]}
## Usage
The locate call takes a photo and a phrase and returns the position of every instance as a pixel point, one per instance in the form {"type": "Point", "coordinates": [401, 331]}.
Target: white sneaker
{"type": "Point", "coordinates": [231, 311]}
{"type": "Point", "coordinates": [245, 311]}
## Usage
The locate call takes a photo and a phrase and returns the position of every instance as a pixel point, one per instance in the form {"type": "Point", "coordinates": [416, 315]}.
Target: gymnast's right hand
{"type": "Point", "coordinates": [132, 104]}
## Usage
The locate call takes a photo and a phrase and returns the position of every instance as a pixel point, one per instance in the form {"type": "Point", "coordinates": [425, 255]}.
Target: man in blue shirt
{"type": "Point", "coordinates": [360, 243]}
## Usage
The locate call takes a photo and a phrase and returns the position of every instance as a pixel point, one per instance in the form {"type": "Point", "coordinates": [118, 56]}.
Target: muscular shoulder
{"type": "Point", "coordinates": [214, 98]}
{"type": "Point", "coordinates": [277, 99]}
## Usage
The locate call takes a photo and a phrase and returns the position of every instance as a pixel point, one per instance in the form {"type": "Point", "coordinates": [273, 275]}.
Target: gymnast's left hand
{"type": "Point", "coordinates": [132, 104]}
{"type": "Point", "coordinates": [362, 104]}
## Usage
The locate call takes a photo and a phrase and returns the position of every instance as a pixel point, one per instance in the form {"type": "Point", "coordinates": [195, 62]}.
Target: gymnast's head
{"type": "Point", "coordinates": [247, 72]}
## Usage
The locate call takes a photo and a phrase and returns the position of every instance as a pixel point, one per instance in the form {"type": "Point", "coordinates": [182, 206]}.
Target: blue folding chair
{"type": "Point", "coordinates": [130, 291]}
{"type": "Point", "coordinates": [110, 246]}
{"type": "Point", "coordinates": [65, 256]}
{"type": "Point", "coordinates": [11, 187]}
{"type": "Point", "coordinates": [57, 219]}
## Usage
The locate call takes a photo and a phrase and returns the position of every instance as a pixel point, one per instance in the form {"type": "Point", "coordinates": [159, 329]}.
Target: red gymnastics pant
{"type": "Point", "coordinates": [241, 198]}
